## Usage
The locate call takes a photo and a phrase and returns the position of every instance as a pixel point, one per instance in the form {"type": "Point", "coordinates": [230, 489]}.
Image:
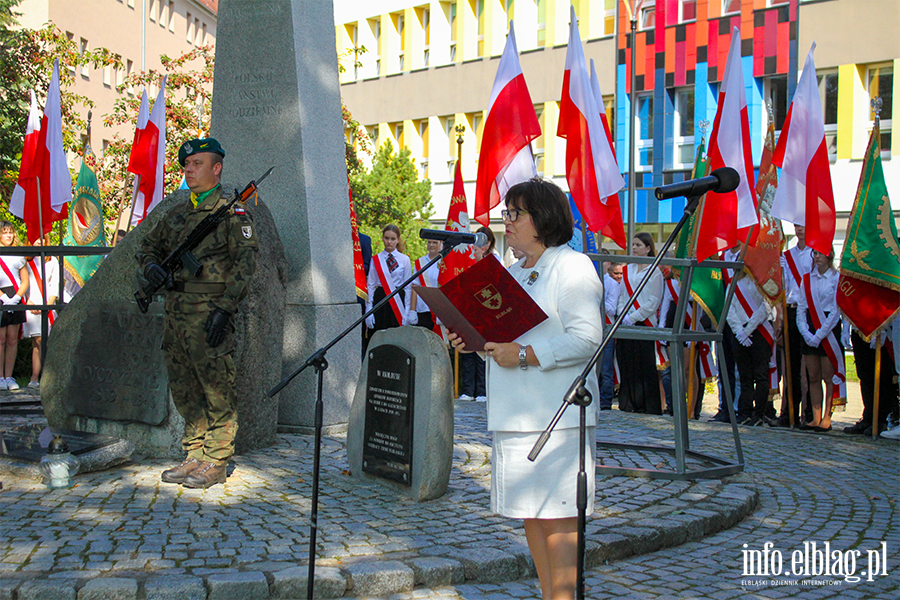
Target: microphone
{"type": "Point", "coordinates": [454, 238]}
{"type": "Point", "coordinates": [721, 181]}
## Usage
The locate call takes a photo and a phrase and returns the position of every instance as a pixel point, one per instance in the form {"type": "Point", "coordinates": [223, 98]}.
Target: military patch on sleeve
{"type": "Point", "coordinates": [239, 210]}
{"type": "Point", "coordinates": [247, 230]}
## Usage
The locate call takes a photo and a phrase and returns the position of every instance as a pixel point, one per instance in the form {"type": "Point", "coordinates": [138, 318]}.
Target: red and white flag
{"type": "Point", "coordinates": [510, 126]}
{"type": "Point", "coordinates": [463, 256]}
{"type": "Point", "coordinates": [148, 156]}
{"type": "Point", "coordinates": [44, 189]}
{"type": "Point", "coordinates": [805, 196]}
{"type": "Point", "coordinates": [591, 169]}
{"type": "Point", "coordinates": [729, 146]}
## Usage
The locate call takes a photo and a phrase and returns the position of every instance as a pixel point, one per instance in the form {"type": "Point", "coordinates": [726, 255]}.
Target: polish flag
{"type": "Point", "coordinates": [591, 168]}
{"type": "Point", "coordinates": [805, 196]}
{"type": "Point", "coordinates": [148, 156]}
{"type": "Point", "coordinates": [729, 146]}
{"type": "Point", "coordinates": [463, 256]}
{"type": "Point", "coordinates": [510, 126]}
{"type": "Point", "coordinates": [44, 189]}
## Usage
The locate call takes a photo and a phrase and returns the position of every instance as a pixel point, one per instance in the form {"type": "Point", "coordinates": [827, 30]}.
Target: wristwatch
{"type": "Point", "coordinates": [523, 355]}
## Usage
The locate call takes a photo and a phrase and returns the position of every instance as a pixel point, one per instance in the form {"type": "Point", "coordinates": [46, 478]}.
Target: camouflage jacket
{"type": "Point", "coordinates": [228, 254]}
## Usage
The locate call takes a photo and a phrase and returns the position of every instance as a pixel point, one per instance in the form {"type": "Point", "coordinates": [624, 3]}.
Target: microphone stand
{"type": "Point", "coordinates": [578, 394]}
{"type": "Point", "coordinates": [317, 361]}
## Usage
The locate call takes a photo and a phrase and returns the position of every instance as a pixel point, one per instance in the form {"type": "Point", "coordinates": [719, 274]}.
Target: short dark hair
{"type": "Point", "coordinates": [647, 240]}
{"type": "Point", "coordinates": [548, 207]}
{"type": "Point", "coordinates": [492, 241]}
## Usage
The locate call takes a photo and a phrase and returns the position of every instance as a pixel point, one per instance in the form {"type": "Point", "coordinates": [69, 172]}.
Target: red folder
{"type": "Point", "coordinates": [482, 304]}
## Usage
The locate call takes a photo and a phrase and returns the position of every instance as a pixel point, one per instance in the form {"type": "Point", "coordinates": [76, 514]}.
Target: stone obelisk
{"type": "Point", "coordinates": [276, 101]}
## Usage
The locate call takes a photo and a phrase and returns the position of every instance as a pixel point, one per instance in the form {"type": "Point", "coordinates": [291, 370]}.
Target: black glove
{"type": "Point", "coordinates": [157, 276]}
{"type": "Point", "coordinates": [217, 326]}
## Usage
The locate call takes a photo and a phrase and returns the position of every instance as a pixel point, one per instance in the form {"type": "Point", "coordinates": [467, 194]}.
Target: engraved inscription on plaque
{"type": "Point", "coordinates": [119, 372]}
{"type": "Point", "coordinates": [388, 431]}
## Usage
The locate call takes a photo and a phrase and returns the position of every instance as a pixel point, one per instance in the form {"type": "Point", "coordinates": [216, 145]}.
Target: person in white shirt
{"type": "Point", "coordinates": [40, 290]}
{"type": "Point", "coordinates": [13, 287]}
{"type": "Point", "coordinates": [419, 313]}
{"type": "Point", "coordinates": [528, 378]}
{"type": "Point", "coordinates": [795, 263]}
{"type": "Point", "coordinates": [823, 283]}
{"type": "Point", "coordinates": [388, 270]}
{"type": "Point", "coordinates": [639, 390]}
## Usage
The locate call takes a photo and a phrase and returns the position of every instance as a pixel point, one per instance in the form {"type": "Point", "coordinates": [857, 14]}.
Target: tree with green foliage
{"type": "Point", "coordinates": [26, 64]}
{"type": "Point", "coordinates": [392, 193]}
{"type": "Point", "coordinates": [188, 113]}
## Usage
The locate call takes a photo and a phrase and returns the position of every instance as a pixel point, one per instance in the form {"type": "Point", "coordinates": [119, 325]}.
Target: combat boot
{"type": "Point", "coordinates": [207, 475]}
{"type": "Point", "coordinates": [177, 474]}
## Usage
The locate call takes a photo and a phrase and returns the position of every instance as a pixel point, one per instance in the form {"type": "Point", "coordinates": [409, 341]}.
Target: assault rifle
{"type": "Point", "coordinates": [182, 256]}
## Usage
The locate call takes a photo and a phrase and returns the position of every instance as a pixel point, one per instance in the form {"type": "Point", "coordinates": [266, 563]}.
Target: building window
{"type": "Point", "coordinates": [647, 18]}
{"type": "Point", "coordinates": [85, 69]}
{"type": "Point", "coordinates": [731, 6]}
{"type": "Point", "coordinates": [644, 145]}
{"type": "Point", "coordinates": [426, 29]}
{"type": "Point", "coordinates": [880, 84]}
{"type": "Point", "coordinates": [449, 128]}
{"type": "Point", "coordinates": [172, 16]}
{"type": "Point", "coordinates": [537, 146]}
{"type": "Point", "coordinates": [107, 75]}
{"type": "Point", "coordinates": [609, 17]}
{"type": "Point", "coordinates": [151, 13]}
{"type": "Point", "coordinates": [189, 29]}
{"type": "Point", "coordinates": [828, 94]}
{"type": "Point", "coordinates": [541, 23]}
{"type": "Point", "coordinates": [776, 89]}
{"type": "Point", "coordinates": [400, 23]}
{"type": "Point", "coordinates": [479, 18]}
{"type": "Point", "coordinates": [683, 128]}
{"type": "Point", "coordinates": [453, 25]}
{"type": "Point", "coordinates": [375, 25]}
{"type": "Point", "coordinates": [687, 10]}
{"type": "Point", "coordinates": [423, 136]}
{"type": "Point", "coordinates": [129, 65]}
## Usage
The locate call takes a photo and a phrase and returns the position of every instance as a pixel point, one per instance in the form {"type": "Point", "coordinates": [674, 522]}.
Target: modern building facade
{"type": "Point", "coordinates": [429, 66]}
{"type": "Point", "coordinates": [139, 31]}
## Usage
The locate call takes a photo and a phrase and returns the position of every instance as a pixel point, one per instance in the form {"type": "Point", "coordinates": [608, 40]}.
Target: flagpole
{"type": "Point", "coordinates": [137, 185]}
{"type": "Point", "coordinates": [460, 130]}
{"type": "Point", "coordinates": [877, 386]}
{"type": "Point", "coordinates": [693, 359]}
{"type": "Point", "coordinates": [631, 142]}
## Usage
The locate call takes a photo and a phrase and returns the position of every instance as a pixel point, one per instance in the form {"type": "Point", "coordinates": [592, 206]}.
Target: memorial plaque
{"type": "Point", "coordinates": [119, 371]}
{"type": "Point", "coordinates": [388, 431]}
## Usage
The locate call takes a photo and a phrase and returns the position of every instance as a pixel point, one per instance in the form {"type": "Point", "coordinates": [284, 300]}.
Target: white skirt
{"type": "Point", "coordinates": [545, 488]}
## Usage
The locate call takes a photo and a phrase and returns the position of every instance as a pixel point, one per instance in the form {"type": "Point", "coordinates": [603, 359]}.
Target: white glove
{"type": "Point", "coordinates": [370, 321]}
{"type": "Point", "coordinates": [628, 320]}
{"type": "Point", "coordinates": [820, 335]}
{"type": "Point", "coordinates": [836, 380]}
{"type": "Point", "coordinates": [412, 318]}
{"type": "Point", "coordinates": [744, 340]}
{"type": "Point", "coordinates": [845, 338]}
{"type": "Point", "coordinates": [10, 301]}
{"type": "Point", "coordinates": [810, 339]}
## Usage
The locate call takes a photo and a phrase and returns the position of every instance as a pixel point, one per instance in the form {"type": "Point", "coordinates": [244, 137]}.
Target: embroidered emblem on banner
{"type": "Point", "coordinates": [490, 297]}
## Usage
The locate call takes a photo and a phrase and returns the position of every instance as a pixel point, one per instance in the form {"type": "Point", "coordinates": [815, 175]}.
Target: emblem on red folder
{"type": "Point", "coordinates": [489, 297]}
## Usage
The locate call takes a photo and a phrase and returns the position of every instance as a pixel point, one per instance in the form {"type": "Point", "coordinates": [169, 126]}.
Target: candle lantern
{"type": "Point", "coordinates": [58, 466]}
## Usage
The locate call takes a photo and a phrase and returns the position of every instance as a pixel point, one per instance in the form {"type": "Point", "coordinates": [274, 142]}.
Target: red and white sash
{"type": "Point", "coordinates": [9, 274]}
{"type": "Point", "coordinates": [704, 349]}
{"type": "Point", "coordinates": [40, 285]}
{"type": "Point", "coordinates": [830, 344]}
{"type": "Point", "coordinates": [395, 302]}
{"type": "Point", "coordinates": [662, 358]}
{"type": "Point", "coordinates": [421, 281]}
{"type": "Point", "coordinates": [765, 329]}
{"type": "Point", "coordinates": [792, 266]}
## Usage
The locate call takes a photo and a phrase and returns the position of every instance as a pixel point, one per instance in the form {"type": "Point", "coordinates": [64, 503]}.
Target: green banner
{"type": "Point", "coordinates": [871, 252]}
{"type": "Point", "coordinates": [706, 284]}
{"type": "Point", "coordinates": [85, 226]}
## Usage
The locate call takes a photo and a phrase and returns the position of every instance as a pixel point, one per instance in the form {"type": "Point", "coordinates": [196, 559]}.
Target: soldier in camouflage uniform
{"type": "Point", "coordinates": [198, 341]}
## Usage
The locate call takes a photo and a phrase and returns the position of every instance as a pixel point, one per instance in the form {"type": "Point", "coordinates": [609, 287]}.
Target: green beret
{"type": "Point", "coordinates": [197, 146]}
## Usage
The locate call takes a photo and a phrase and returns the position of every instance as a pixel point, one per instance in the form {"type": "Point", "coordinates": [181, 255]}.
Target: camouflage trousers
{"type": "Point", "coordinates": [202, 383]}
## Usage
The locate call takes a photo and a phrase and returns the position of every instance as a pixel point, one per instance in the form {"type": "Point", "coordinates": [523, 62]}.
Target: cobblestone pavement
{"type": "Point", "coordinates": [123, 534]}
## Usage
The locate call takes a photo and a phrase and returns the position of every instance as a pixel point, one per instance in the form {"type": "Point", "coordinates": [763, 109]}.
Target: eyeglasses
{"type": "Point", "coordinates": [512, 215]}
